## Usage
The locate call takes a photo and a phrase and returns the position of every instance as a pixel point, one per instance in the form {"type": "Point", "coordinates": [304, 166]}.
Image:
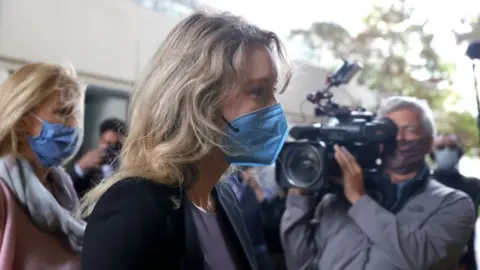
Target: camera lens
{"type": "Point", "coordinates": [303, 165]}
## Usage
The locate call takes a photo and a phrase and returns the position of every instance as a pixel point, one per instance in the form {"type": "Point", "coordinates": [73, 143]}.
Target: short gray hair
{"type": "Point", "coordinates": [421, 106]}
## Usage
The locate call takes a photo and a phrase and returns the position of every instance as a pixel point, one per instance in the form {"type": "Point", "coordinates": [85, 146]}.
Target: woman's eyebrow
{"type": "Point", "coordinates": [264, 78]}
{"type": "Point", "coordinates": [258, 80]}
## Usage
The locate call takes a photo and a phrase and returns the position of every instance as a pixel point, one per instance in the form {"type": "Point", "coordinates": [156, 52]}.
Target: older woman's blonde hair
{"type": "Point", "coordinates": [175, 107]}
{"type": "Point", "coordinates": [28, 88]}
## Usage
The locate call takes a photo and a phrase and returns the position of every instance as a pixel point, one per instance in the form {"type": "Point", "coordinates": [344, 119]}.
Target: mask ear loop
{"type": "Point", "coordinates": [235, 129]}
{"type": "Point", "coordinates": [38, 118]}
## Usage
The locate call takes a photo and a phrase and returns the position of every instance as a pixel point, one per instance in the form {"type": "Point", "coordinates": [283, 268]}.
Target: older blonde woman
{"type": "Point", "coordinates": [40, 112]}
{"type": "Point", "coordinates": [206, 100]}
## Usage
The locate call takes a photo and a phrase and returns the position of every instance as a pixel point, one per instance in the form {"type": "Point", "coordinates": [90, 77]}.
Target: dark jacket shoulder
{"type": "Point", "coordinates": [225, 190]}
{"type": "Point", "coordinates": [130, 189]}
{"type": "Point", "coordinates": [130, 227]}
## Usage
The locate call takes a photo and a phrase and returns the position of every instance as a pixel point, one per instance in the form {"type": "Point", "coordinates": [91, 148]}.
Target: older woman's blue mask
{"type": "Point", "coordinates": [54, 144]}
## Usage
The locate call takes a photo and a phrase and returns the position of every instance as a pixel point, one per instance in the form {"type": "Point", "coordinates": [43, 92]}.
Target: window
{"type": "Point", "coordinates": [101, 103]}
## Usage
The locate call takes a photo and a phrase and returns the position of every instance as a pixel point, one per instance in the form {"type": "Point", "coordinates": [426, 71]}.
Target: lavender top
{"type": "Point", "coordinates": [216, 245]}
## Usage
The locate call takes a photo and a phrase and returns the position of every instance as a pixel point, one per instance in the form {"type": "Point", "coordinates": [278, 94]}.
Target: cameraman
{"type": "Point", "coordinates": [408, 221]}
{"type": "Point", "coordinates": [99, 163]}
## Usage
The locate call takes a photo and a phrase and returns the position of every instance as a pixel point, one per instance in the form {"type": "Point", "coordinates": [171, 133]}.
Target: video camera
{"type": "Point", "coordinates": [309, 162]}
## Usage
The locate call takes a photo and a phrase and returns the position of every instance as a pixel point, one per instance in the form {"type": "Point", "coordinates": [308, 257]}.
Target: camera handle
{"type": "Point", "coordinates": [323, 98]}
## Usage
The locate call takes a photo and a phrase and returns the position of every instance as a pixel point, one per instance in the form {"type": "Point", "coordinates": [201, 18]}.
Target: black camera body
{"type": "Point", "coordinates": [309, 162]}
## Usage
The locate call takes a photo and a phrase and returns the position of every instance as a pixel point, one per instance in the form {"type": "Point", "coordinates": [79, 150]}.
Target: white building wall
{"type": "Point", "coordinates": [98, 107]}
{"type": "Point", "coordinates": [3, 75]}
{"type": "Point", "coordinates": [110, 41]}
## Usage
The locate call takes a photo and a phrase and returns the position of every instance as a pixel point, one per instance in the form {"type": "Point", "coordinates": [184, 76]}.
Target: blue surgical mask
{"type": "Point", "coordinates": [54, 144]}
{"type": "Point", "coordinates": [256, 138]}
{"type": "Point", "coordinates": [447, 158]}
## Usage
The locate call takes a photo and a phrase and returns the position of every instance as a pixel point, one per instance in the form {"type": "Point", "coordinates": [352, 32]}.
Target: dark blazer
{"type": "Point", "coordinates": [84, 183]}
{"type": "Point", "coordinates": [135, 225]}
{"type": "Point", "coordinates": [252, 216]}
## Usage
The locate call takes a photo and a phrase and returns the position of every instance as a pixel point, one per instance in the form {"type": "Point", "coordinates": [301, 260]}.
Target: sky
{"type": "Point", "coordinates": [283, 16]}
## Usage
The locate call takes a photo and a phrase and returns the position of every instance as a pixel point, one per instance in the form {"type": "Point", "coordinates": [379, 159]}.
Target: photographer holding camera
{"type": "Point", "coordinates": [101, 162]}
{"type": "Point", "coordinates": [400, 219]}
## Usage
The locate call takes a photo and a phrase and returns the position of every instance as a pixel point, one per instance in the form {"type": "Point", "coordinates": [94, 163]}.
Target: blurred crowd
{"type": "Point", "coordinates": [157, 193]}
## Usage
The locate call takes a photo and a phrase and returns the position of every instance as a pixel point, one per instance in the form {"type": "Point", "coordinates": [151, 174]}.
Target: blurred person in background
{"type": "Point", "coordinates": [262, 202]}
{"type": "Point", "coordinates": [272, 211]}
{"type": "Point", "coordinates": [407, 220]}
{"type": "Point", "coordinates": [476, 240]}
{"type": "Point", "coordinates": [251, 196]}
{"type": "Point", "coordinates": [447, 152]}
{"type": "Point", "coordinates": [208, 90]}
{"type": "Point", "coordinates": [102, 162]}
{"type": "Point", "coordinates": [41, 113]}
{"type": "Point", "coordinates": [266, 177]}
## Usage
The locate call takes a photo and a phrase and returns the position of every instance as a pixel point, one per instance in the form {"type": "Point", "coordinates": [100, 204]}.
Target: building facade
{"type": "Point", "coordinates": [110, 41]}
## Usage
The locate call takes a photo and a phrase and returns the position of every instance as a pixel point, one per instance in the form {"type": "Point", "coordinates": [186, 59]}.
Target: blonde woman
{"type": "Point", "coordinates": [206, 100]}
{"type": "Point", "coordinates": [40, 112]}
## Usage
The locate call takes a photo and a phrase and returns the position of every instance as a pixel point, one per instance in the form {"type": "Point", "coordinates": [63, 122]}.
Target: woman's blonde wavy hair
{"type": "Point", "coordinates": [175, 107]}
{"type": "Point", "coordinates": [28, 88]}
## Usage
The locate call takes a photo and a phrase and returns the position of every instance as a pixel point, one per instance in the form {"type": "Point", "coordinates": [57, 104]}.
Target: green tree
{"type": "Point", "coordinates": [399, 58]}
{"type": "Point", "coordinates": [473, 33]}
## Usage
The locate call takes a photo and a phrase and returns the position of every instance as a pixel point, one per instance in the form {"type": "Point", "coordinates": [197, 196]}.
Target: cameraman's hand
{"type": "Point", "coordinates": [91, 159]}
{"type": "Point", "coordinates": [299, 191]}
{"type": "Point", "coordinates": [353, 185]}
{"type": "Point", "coordinates": [249, 177]}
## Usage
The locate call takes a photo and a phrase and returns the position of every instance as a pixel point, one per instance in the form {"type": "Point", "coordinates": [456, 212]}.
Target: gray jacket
{"type": "Point", "coordinates": [429, 232]}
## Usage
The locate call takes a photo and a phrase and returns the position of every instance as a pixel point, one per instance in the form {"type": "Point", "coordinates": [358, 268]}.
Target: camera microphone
{"type": "Point", "coordinates": [473, 52]}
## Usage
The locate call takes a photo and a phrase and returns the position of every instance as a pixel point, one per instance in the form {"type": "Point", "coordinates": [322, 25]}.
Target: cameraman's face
{"type": "Point", "coordinates": [409, 124]}
{"type": "Point", "coordinates": [109, 137]}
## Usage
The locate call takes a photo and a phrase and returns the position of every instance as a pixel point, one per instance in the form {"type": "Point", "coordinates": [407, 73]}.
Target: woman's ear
{"type": "Point", "coordinates": [430, 145]}
{"type": "Point", "coordinates": [27, 125]}
{"type": "Point", "coordinates": [21, 130]}
{"type": "Point", "coordinates": [22, 125]}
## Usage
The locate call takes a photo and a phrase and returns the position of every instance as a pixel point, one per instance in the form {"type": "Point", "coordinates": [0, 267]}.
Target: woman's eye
{"type": "Point", "coordinates": [259, 91]}
{"type": "Point", "coordinates": [64, 114]}
{"type": "Point", "coordinates": [66, 111]}
{"type": "Point", "coordinates": [412, 131]}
